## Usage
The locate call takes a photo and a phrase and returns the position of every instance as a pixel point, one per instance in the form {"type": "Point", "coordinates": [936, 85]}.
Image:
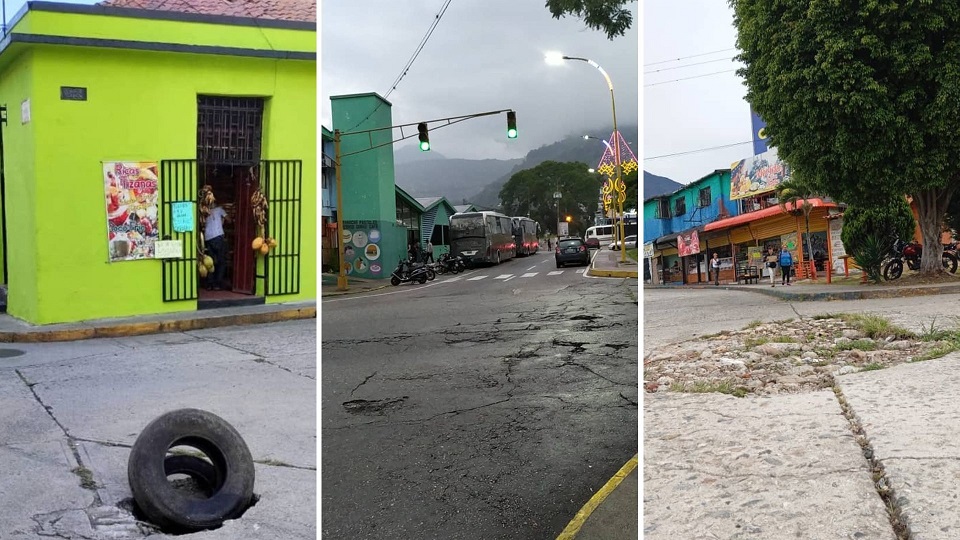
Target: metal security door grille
{"type": "Point", "coordinates": [229, 130]}
{"type": "Point", "coordinates": [178, 183]}
{"type": "Point", "coordinates": [281, 182]}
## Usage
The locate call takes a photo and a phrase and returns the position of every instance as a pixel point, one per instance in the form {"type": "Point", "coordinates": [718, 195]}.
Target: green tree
{"type": "Point", "coordinates": [606, 15]}
{"type": "Point", "coordinates": [633, 190]}
{"type": "Point", "coordinates": [868, 231]}
{"type": "Point", "coordinates": [860, 98]}
{"type": "Point", "coordinates": [530, 193]}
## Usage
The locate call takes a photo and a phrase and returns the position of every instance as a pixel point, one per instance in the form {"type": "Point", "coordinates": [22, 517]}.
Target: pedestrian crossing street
{"type": "Point", "coordinates": [506, 277]}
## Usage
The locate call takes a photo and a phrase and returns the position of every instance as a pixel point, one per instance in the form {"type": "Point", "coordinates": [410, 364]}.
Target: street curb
{"type": "Point", "coordinates": [344, 293]}
{"type": "Point", "coordinates": [572, 528]}
{"type": "Point", "coordinates": [40, 335]}
{"type": "Point", "coordinates": [613, 273]}
{"type": "Point", "coordinates": [827, 296]}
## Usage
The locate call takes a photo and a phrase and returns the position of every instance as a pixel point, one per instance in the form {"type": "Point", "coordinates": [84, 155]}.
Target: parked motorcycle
{"type": "Point", "coordinates": [407, 271]}
{"type": "Point", "coordinates": [447, 263]}
{"type": "Point", "coordinates": [911, 252]}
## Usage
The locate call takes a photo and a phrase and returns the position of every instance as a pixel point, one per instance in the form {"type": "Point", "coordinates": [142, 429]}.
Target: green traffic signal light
{"type": "Point", "coordinates": [511, 125]}
{"type": "Point", "coordinates": [424, 137]}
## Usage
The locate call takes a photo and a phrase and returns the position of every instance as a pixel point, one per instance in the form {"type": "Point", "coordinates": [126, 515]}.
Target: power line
{"type": "Point", "coordinates": [409, 64]}
{"type": "Point", "coordinates": [691, 56]}
{"type": "Point", "coordinates": [687, 65]}
{"type": "Point", "coordinates": [698, 150]}
{"type": "Point", "coordinates": [688, 78]}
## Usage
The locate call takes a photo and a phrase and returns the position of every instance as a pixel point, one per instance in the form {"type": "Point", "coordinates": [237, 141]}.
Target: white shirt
{"type": "Point", "coordinates": [214, 225]}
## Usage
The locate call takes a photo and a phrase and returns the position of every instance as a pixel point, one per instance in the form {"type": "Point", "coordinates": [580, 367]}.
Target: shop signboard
{"type": "Point", "coordinates": [755, 256]}
{"type": "Point", "coordinates": [169, 249]}
{"type": "Point", "coordinates": [182, 214]}
{"type": "Point", "coordinates": [758, 174]}
{"type": "Point", "coordinates": [362, 249]}
{"type": "Point", "coordinates": [648, 250]}
{"type": "Point", "coordinates": [788, 241]}
{"type": "Point", "coordinates": [130, 190]}
{"type": "Point", "coordinates": [688, 244]}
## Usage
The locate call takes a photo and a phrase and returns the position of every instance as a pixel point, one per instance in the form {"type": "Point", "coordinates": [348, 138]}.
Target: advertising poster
{"type": "Point", "coordinates": [131, 190]}
{"type": "Point", "coordinates": [758, 174]}
{"type": "Point", "coordinates": [361, 249]}
{"type": "Point", "coordinates": [788, 241]}
{"type": "Point", "coordinates": [755, 256]}
{"type": "Point", "coordinates": [759, 132]}
{"type": "Point", "coordinates": [688, 244]}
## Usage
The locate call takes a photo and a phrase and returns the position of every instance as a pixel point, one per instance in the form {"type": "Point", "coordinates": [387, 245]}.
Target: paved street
{"type": "Point", "coordinates": [791, 466]}
{"type": "Point", "coordinates": [486, 405]}
{"type": "Point", "coordinates": [72, 411]}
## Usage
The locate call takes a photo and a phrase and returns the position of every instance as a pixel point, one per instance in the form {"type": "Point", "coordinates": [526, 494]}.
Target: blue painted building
{"type": "Point", "coordinates": [328, 197]}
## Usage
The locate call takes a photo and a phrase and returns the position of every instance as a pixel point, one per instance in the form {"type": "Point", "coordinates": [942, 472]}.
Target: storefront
{"type": "Point", "coordinates": [117, 119]}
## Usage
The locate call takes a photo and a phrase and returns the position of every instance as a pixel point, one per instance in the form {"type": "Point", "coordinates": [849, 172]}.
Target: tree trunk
{"type": "Point", "coordinates": [806, 216]}
{"type": "Point", "coordinates": [931, 208]}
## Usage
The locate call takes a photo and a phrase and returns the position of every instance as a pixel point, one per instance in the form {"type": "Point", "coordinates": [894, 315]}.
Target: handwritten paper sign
{"type": "Point", "coordinates": [182, 216]}
{"type": "Point", "coordinates": [168, 249]}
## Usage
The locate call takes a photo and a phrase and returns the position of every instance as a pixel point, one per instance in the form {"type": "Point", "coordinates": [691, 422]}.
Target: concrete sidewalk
{"type": "Point", "coordinates": [813, 291]}
{"type": "Point", "coordinates": [811, 465]}
{"type": "Point", "coordinates": [606, 263]}
{"type": "Point", "coordinates": [13, 330]}
{"type": "Point", "coordinates": [355, 285]}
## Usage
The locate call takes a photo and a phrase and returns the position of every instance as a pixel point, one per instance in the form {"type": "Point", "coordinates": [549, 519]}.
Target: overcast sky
{"type": "Point", "coordinates": [483, 56]}
{"type": "Point", "coordinates": [697, 113]}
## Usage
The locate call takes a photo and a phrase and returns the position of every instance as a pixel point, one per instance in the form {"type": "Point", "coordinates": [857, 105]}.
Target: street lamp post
{"type": "Point", "coordinates": [556, 196]}
{"type": "Point", "coordinates": [558, 58]}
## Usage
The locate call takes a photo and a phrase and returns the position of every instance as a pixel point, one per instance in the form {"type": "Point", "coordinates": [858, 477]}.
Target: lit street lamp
{"type": "Point", "coordinates": [556, 58]}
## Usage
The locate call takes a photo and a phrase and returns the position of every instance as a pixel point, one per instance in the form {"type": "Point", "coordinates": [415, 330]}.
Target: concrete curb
{"type": "Point", "coordinates": [573, 528]}
{"type": "Point", "coordinates": [127, 329]}
{"type": "Point", "coordinates": [358, 291]}
{"type": "Point", "coordinates": [613, 273]}
{"type": "Point", "coordinates": [799, 296]}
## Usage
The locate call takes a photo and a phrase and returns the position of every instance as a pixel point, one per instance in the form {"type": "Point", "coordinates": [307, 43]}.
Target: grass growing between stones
{"type": "Point", "coordinates": [750, 343]}
{"type": "Point", "coordinates": [875, 326]}
{"type": "Point", "coordinates": [705, 387]}
{"type": "Point", "coordinates": [783, 339]}
{"type": "Point", "coordinates": [86, 477]}
{"type": "Point", "coordinates": [753, 324]}
{"type": "Point", "coordinates": [858, 344]}
{"type": "Point", "coordinates": [873, 366]}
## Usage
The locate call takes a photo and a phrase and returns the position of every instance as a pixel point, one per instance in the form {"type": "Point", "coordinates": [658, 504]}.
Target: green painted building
{"type": "Point", "coordinates": [206, 99]}
{"type": "Point", "coordinates": [377, 216]}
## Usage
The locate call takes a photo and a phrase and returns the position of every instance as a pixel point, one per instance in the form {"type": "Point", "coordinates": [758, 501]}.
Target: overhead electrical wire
{"type": "Point", "coordinates": [691, 56]}
{"type": "Point", "coordinates": [687, 65]}
{"type": "Point", "coordinates": [688, 78]}
{"type": "Point", "coordinates": [698, 150]}
{"type": "Point", "coordinates": [409, 64]}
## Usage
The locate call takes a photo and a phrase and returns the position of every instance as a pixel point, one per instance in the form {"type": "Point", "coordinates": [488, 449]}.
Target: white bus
{"type": "Point", "coordinates": [598, 235]}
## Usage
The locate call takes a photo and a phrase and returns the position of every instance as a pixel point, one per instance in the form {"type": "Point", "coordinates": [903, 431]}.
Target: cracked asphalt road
{"type": "Point", "coordinates": [73, 410]}
{"type": "Point", "coordinates": [475, 409]}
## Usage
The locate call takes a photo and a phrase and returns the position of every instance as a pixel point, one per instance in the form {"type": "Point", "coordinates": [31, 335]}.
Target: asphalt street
{"type": "Point", "coordinates": [488, 405]}
{"type": "Point", "coordinates": [73, 410]}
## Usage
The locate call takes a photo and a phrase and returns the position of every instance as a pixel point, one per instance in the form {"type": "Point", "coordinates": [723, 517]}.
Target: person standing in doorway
{"type": "Point", "coordinates": [770, 262]}
{"type": "Point", "coordinates": [429, 250]}
{"type": "Point", "coordinates": [216, 245]}
{"type": "Point", "coordinates": [786, 264]}
{"type": "Point", "coordinates": [715, 266]}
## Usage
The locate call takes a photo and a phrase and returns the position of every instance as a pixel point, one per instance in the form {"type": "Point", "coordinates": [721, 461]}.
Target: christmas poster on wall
{"type": "Point", "coordinates": [131, 190]}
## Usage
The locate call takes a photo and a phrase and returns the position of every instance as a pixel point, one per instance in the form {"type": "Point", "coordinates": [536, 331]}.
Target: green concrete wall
{"type": "Point", "coordinates": [20, 161]}
{"type": "Point", "coordinates": [141, 106]}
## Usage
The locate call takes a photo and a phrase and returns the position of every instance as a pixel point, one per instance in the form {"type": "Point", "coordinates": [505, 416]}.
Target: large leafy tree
{"type": "Point", "coordinates": [606, 15]}
{"type": "Point", "coordinates": [860, 98]}
{"type": "Point", "coordinates": [530, 193]}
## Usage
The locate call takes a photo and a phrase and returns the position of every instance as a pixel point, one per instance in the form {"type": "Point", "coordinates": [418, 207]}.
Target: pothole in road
{"type": "Point", "coordinates": [366, 406]}
{"type": "Point", "coordinates": [11, 353]}
{"type": "Point", "coordinates": [584, 317]}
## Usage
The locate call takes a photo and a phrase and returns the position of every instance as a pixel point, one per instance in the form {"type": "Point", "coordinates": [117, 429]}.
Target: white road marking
{"type": "Point", "coordinates": [582, 270]}
{"type": "Point", "coordinates": [451, 280]}
{"type": "Point", "coordinates": [504, 276]}
{"type": "Point", "coordinates": [476, 278]}
{"type": "Point", "coordinates": [532, 267]}
{"type": "Point", "coordinates": [530, 274]}
{"type": "Point", "coordinates": [555, 273]}
{"type": "Point", "coordinates": [509, 278]}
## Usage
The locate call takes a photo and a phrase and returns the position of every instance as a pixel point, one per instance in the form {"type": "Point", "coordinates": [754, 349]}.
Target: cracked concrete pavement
{"type": "Point", "coordinates": [791, 466]}
{"type": "Point", "coordinates": [475, 411]}
{"type": "Point", "coordinates": [73, 410]}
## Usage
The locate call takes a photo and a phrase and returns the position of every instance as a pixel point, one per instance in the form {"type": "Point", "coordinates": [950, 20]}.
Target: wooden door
{"type": "Point", "coordinates": [244, 258]}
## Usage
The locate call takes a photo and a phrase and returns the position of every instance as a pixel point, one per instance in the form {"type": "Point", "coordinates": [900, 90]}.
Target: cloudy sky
{"type": "Point", "coordinates": [483, 56]}
{"type": "Point", "coordinates": [697, 113]}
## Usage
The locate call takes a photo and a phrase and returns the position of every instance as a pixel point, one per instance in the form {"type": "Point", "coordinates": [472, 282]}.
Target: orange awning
{"type": "Point", "coordinates": [760, 214]}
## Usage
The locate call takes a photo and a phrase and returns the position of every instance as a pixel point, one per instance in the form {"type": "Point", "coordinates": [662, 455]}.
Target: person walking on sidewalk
{"type": "Point", "coordinates": [786, 264]}
{"type": "Point", "coordinates": [429, 251]}
{"type": "Point", "coordinates": [715, 266]}
{"type": "Point", "coordinates": [770, 262]}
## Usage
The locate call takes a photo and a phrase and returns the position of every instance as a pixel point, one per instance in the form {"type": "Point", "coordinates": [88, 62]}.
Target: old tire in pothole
{"type": "Point", "coordinates": [174, 510]}
{"type": "Point", "coordinates": [203, 473]}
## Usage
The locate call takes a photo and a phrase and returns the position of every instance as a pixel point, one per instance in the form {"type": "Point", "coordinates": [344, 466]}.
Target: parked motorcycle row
{"type": "Point", "coordinates": [408, 270]}
{"type": "Point", "coordinates": [910, 253]}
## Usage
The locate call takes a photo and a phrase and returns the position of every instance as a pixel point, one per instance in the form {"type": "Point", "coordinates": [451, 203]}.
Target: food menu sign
{"type": "Point", "coordinates": [131, 189]}
{"type": "Point", "coordinates": [756, 175]}
{"type": "Point", "coordinates": [362, 249]}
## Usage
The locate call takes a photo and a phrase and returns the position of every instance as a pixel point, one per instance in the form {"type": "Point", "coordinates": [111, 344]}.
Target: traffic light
{"type": "Point", "coordinates": [511, 125]}
{"type": "Point", "coordinates": [424, 137]}
{"type": "Point", "coordinates": [569, 219]}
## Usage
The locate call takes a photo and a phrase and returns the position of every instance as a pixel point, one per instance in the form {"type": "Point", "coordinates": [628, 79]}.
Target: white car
{"type": "Point", "coordinates": [630, 242]}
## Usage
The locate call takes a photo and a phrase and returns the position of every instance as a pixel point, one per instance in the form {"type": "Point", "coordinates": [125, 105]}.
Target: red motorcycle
{"type": "Point", "coordinates": [911, 253]}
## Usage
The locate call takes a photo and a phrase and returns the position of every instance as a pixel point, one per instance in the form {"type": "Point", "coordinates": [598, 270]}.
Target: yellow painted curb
{"type": "Point", "coordinates": [578, 520]}
{"type": "Point", "coordinates": [614, 273]}
{"type": "Point", "coordinates": [40, 335]}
